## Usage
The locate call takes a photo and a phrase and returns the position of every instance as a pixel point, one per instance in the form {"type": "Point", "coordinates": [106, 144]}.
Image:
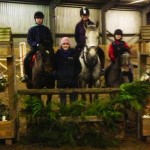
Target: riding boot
{"type": "Point", "coordinates": [130, 76]}
{"type": "Point", "coordinates": [107, 71]}
{"type": "Point", "coordinates": [101, 56]}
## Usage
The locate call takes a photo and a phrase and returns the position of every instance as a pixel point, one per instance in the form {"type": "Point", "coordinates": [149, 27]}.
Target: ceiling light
{"type": "Point", "coordinates": [138, 1]}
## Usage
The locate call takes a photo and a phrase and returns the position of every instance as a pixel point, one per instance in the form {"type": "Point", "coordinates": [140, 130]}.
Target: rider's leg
{"type": "Point", "coordinates": [62, 84]}
{"type": "Point", "coordinates": [27, 66]}
{"type": "Point", "coordinates": [73, 84]}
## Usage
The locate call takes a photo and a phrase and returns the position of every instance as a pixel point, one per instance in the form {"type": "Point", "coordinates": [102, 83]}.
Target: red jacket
{"type": "Point", "coordinates": [117, 47]}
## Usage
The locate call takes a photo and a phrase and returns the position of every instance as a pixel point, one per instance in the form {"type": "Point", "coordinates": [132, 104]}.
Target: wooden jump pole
{"type": "Point", "coordinates": [68, 91]}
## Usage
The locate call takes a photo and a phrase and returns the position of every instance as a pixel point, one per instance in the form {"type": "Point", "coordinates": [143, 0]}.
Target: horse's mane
{"type": "Point", "coordinates": [91, 27]}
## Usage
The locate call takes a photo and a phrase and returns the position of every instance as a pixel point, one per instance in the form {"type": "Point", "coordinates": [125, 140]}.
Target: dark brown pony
{"type": "Point", "coordinates": [119, 72]}
{"type": "Point", "coordinates": [41, 72]}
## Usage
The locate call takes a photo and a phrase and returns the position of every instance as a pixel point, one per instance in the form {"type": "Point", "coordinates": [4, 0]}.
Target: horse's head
{"type": "Point", "coordinates": [122, 62]}
{"type": "Point", "coordinates": [92, 36]}
{"type": "Point", "coordinates": [45, 59]}
{"type": "Point", "coordinates": [125, 59]}
{"type": "Point", "coordinates": [92, 40]}
{"type": "Point", "coordinates": [90, 55]}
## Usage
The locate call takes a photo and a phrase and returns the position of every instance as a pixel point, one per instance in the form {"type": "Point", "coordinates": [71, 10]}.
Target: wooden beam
{"type": "Point", "coordinates": [68, 91]}
{"type": "Point", "coordinates": [52, 21]}
{"type": "Point", "coordinates": [55, 3]}
{"type": "Point", "coordinates": [109, 5]}
{"type": "Point", "coordinates": [103, 18]}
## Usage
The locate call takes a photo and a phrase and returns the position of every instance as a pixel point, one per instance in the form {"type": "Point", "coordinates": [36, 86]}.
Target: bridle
{"type": "Point", "coordinates": [43, 54]}
{"type": "Point", "coordinates": [85, 53]}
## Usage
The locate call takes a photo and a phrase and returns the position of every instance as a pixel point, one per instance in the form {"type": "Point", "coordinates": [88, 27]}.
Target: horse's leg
{"type": "Point", "coordinates": [90, 95]}
{"type": "Point", "coordinates": [96, 85]}
{"type": "Point", "coordinates": [51, 86]}
{"type": "Point", "coordinates": [82, 84]}
{"type": "Point", "coordinates": [125, 77]}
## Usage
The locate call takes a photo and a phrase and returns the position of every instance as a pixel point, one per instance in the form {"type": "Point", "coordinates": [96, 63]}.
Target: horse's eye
{"type": "Point", "coordinates": [85, 37]}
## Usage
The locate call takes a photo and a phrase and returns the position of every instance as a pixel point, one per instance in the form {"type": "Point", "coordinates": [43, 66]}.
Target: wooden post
{"type": "Point", "coordinates": [11, 85]}
{"type": "Point", "coordinates": [7, 128]}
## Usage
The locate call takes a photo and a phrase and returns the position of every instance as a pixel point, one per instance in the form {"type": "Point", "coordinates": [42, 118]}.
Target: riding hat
{"type": "Point", "coordinates": [38, 14]}
{"type": "Point", "coordinates": [84, 11]}
{"type": "Point", "coordinates": [65, 40]}
{"type": "Point", "coordinates": [118, 32]}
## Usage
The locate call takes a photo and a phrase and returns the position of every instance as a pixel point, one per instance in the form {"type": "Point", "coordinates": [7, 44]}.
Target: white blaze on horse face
{"type": "Point", "coordinates": [92, 52]}
{"type": "Point", "coordinates": [92, 38]}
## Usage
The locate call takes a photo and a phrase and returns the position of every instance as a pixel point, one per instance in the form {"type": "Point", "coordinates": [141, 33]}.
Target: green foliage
{"type": "Point", "coordinates": [134, 95]}
{"type": "Point", "coordinates": [75, 108]}
{"type": "Point", "coordinates": [46, 127]}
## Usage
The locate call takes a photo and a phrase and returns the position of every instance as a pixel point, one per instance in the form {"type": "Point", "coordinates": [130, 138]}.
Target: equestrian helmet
{"type": "Point", "coordinates": [84, 11]}
{"type": "Point", "coordinates": [38, 14]}
{"type": "Point", "coordinates": [118, 32]}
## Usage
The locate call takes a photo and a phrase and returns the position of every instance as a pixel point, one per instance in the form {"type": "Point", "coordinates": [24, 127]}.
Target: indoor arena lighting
{"type": "Point", "coordinates": [138, 1]}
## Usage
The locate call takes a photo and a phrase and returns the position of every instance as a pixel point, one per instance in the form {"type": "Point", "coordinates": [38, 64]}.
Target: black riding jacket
{"type": "Point", "coordinates": [66, 64]}
{"type": "Point", "coordinates": [116, 48]}
{"type": "Point", "coordinates": [39, 34]}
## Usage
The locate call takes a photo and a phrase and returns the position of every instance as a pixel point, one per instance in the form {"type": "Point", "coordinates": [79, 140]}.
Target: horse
{"type": "Point", "coordinates": [119, 72]}
{"type": "Point", "coordinates": [41, 71]}
{"type": "Point", "coordinates": [90, 61]}
{"type": "Point", "coordinates": [145, 76]}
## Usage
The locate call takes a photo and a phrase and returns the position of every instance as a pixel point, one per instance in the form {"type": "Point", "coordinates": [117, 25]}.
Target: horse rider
{"type": "Point", "coordinates": [38, 35]}
{"type": "Point", "coordinates": [116, 48]}
{"type": "Point", "coordinates": [80, 35]}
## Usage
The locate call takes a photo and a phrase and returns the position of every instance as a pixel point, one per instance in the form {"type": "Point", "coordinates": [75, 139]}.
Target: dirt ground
{"type": "Point", "coordinates": [129, 143]}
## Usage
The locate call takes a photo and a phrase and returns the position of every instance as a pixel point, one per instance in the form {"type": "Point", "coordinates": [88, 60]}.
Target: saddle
{"type": "Point", "coordinates": [32, 60]}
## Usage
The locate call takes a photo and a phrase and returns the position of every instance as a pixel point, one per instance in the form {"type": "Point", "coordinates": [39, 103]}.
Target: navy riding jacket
{"type": "Point", "coordinates": [80, 32]}
{"type": "Point", "coordinates": [39, 34]}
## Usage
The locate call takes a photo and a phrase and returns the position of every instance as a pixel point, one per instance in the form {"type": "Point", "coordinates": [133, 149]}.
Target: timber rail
{"type": "Point", "coordinates": [68, 91]}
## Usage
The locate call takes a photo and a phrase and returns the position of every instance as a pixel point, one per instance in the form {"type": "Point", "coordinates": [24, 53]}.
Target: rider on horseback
{"type": "Point", "coordinates": [38, 35]}
{"type": "Point", "coordinates": [80, 35]}
{"type": "Point", "coordinates": [117, 48]}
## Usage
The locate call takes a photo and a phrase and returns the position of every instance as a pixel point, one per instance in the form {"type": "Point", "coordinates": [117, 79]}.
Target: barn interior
{"type": "Point", "coordinates": [61, 17]}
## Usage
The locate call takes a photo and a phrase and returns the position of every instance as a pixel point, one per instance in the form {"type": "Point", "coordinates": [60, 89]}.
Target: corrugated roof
{"type": "Point", "coordinates": [115, 4]}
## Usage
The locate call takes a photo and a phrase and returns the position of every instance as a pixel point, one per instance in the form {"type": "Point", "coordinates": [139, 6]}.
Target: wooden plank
{"type": "Point", "coordinates": [146, 126]}
{"type": "Point", "coordinates": [145, 31]}
{"type": "Point", "coordinates": [81, 118]}
{"type": "Point", "coordinates": [6, 129]}
{"type": "Point", "coordinates": [5, 34]}
{"type": "Point", "coordinates": [68, 91]}
{"type": "Point", "coordinates": [145, 37]}
{"type": "Point", "coordinates": [145, 27]}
